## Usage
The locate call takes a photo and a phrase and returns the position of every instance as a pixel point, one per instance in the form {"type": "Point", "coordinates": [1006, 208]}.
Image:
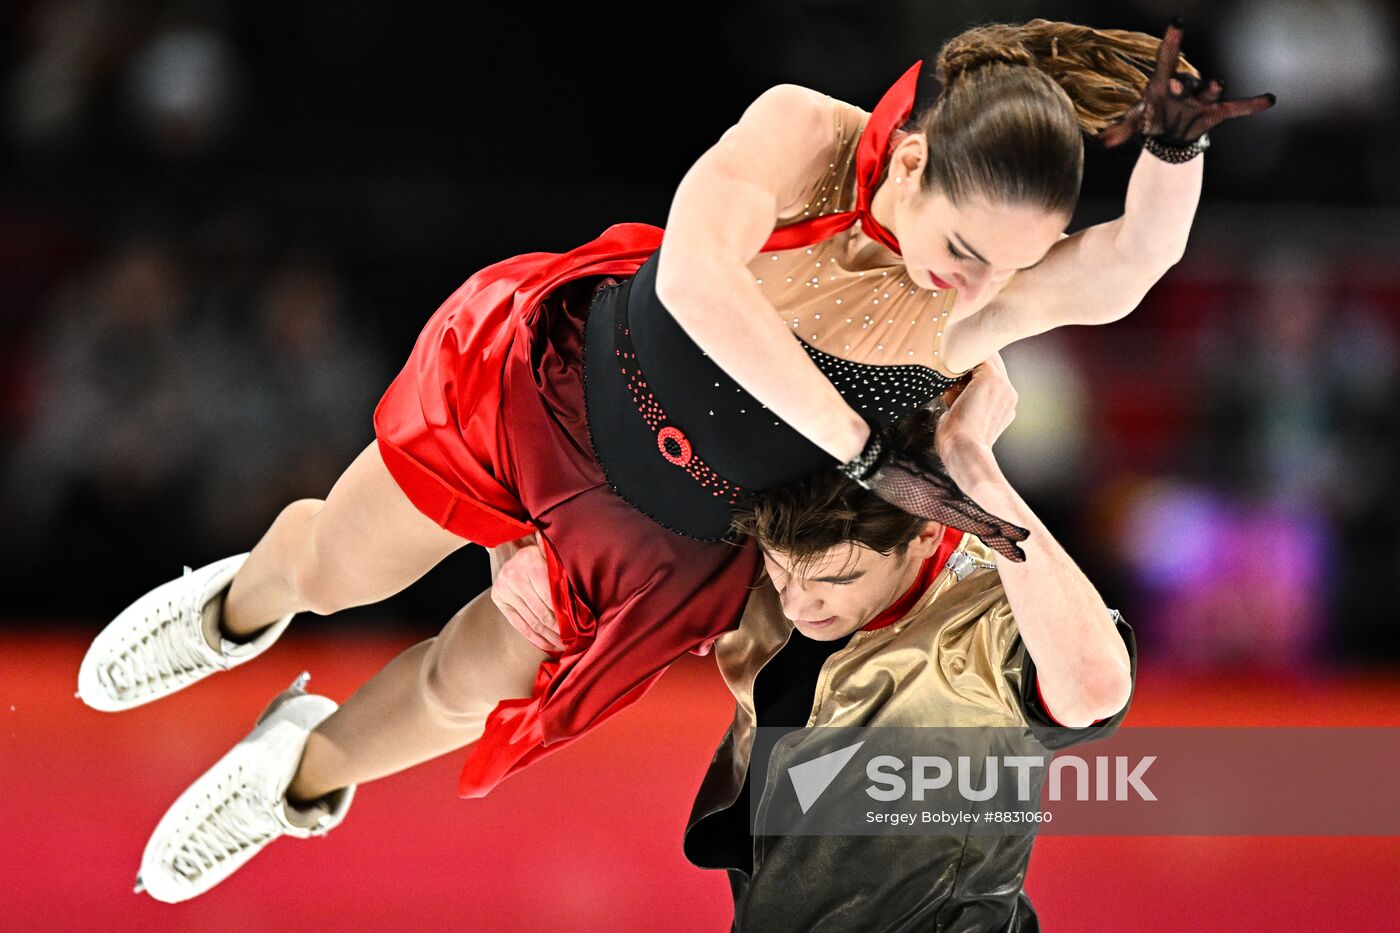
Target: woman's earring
{"type": "Point", "coordinates": [899, 179]}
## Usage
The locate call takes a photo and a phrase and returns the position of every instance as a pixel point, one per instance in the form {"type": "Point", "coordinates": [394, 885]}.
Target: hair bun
{"type": "Point", "coordinates": [986, 45]}
{"type": "Point", "coordinates": [1103, 71]}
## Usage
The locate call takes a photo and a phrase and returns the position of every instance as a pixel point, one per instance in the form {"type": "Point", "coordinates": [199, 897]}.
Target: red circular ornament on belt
{"type": "Point", "coordinates": [669, 433]}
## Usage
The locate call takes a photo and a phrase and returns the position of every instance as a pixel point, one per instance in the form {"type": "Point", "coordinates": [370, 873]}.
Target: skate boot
{"type": "Point", "coordinates": [240, 805]}
{"type": "Point", "coordinates": [167, 640]}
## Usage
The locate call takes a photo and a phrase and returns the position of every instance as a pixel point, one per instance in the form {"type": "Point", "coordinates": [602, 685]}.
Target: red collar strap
{"type": "Point", "coordinates": [928, 572]}
{"type": "Point", "coordinates": [872, 152]}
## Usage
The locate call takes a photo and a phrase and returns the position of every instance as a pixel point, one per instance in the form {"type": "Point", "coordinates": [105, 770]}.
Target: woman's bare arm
{"type": "Point", "coordinates": [1100, 274]}
{"type": "Point", "coordinates": [724, 210]}
{"type": "Point", "coordinates": [1097, 275]}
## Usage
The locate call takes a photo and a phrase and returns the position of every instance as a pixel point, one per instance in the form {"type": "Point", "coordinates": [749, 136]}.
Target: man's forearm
{"type": "Point", "coordinates": [1080, 658]}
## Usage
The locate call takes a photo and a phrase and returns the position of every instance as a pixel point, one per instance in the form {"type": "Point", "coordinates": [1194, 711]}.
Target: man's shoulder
{"type": "Point", "coordinates": [762, 627]}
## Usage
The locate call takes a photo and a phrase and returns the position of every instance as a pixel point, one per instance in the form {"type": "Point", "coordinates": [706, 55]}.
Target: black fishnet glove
{"type": "Point", "coordinates": [1179, 119]}
{"type": "Point", "coordinates": [932, 495]}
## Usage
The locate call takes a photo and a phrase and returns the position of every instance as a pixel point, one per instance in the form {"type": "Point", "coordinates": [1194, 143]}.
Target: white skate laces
{"type": "Point", "coordinates": [240, 818]}
{"type": "Point", "coordinates": [239, 806]}
{"type": "Point", "coordinates": [241, 821]}
{"type": "Point", "coordinates": [164, 653]}
{"type": "Point", "coordinates": [157, 645]}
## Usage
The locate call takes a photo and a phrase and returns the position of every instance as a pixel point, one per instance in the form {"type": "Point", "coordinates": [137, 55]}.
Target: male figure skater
{"type": "Point", "coordinates": [872, 617]}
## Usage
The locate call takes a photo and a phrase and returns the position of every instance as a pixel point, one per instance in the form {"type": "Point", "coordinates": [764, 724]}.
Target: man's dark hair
{"type": "Point", "coordinates": [805, 518]}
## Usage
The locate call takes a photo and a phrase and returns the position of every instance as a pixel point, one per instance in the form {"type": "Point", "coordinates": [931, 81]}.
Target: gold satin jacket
{"type": "Point", "coordinates": [955, 659]}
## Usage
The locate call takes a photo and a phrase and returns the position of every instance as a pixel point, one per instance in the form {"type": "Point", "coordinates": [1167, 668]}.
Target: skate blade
{"type": "Point", "coordinates": [298, 688]}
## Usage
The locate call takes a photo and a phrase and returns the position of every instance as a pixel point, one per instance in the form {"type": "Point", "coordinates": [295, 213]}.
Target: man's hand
{"type": "Point", "coordinates": [520, 589]}
{"type": "Point", "coordinates": [978, 412]}
{"type": "Point", "coordinates": [947, 493]}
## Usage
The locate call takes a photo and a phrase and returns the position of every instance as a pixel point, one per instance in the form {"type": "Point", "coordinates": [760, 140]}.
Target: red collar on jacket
{"type": "Point", "coordinates": [928, 572]}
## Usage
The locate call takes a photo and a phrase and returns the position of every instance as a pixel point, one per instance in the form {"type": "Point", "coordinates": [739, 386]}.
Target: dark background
{"type": "Point", "coordinates": [223, 224]}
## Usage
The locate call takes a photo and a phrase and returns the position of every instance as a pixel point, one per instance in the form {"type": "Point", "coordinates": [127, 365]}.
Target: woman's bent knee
{"type": "Point", "coordinates": [317, 592]}
{"type": "Point", "coordinates": [337, 568]}
{"type": "Point", "coordinates": [365, 543]}
{"type": "Point", "coordinates": [448, 699]}
{"type": "Point", "coordinates": [477, 661]}
{"type": "Point", "coordinates": [330, 575]}
{"type": "Point", "coordinates": [309, 578]}
{"type": "Point", "coordinates": [320, 586]}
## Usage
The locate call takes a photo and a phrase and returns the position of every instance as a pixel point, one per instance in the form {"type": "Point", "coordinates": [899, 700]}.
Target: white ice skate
{"type": "Point", "coordinates": [165, 641]}
{"type": "Point", "coordinates": [240, 805]}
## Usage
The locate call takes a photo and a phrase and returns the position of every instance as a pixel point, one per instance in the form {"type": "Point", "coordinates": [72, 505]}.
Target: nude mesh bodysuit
{"type": "Point", "coordinates": [874, 316]}
{"type": "Point", "coordinates": [872, 332]}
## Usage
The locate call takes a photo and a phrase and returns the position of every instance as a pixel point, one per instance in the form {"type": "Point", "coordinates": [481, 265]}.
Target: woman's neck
{"type": "Point", "coordinates": [859, 251]}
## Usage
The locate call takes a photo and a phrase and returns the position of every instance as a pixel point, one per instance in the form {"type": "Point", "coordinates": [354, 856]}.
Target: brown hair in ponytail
{"type": "Point", "coordinates": [1016, 102]}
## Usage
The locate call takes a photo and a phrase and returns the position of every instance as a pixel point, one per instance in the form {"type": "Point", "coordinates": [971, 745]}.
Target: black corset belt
{"type": "Point", "coordinates": [649, 460]}
{"type": "Point", "coordinates": [679, 439]}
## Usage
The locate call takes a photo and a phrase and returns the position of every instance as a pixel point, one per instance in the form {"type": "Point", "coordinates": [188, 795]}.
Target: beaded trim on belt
{"type": "Point", "coordinates": [671, 442]}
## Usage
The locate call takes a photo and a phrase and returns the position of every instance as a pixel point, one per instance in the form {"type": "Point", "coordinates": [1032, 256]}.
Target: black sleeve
{"type": "Point", "coordinates": [1042, 725]}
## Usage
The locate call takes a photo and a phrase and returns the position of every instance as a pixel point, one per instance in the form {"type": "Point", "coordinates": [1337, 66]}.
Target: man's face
{"type": "Point", "coordinates": [845, 587]}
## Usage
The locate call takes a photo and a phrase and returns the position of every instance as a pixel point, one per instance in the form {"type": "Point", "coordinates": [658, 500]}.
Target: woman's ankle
{"type": "Point", "coordinates": [307, 789]}
{"type": "Point", "coordinates": [223, 619]}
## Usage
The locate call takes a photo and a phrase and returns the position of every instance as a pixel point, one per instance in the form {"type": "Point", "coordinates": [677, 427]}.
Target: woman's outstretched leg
{"type": "Point", "coordinates": [430, 700]}
{"type": "Point", "coordinates": [295, 774]}
{"type": "Point", "coordinates": [363, 543]}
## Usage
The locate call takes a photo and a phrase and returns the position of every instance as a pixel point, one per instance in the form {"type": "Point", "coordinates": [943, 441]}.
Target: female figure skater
{"type": "Point", "coordinates": [615, 401]}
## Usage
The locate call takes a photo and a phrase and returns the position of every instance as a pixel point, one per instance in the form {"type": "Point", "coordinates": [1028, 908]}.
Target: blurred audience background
{"type": "Point", "coordinates": [222, 225]}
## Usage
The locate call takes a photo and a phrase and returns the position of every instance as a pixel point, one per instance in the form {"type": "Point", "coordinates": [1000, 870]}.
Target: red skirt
{"type": "Point", "coordinates": [485, 431]}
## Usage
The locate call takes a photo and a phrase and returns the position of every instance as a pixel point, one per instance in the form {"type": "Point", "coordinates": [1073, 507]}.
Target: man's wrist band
{"type": "Point", "coordinates": [1176, 154]}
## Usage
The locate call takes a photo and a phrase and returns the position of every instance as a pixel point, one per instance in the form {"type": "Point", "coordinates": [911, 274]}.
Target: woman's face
{"type": "Point", "coordinates": [973, 247]}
